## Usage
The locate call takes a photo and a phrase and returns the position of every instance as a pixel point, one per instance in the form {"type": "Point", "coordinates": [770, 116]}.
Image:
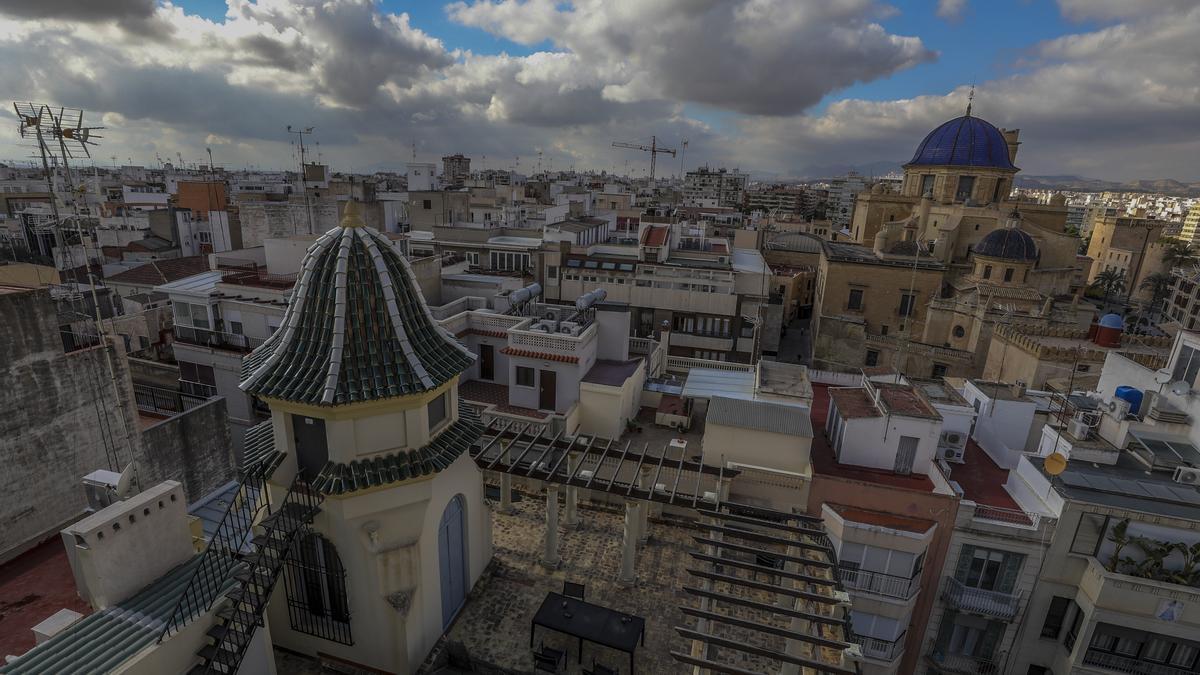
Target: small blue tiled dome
{"type": "Point", "coordinates": [1112, 321]}
{"type": "Point", "coordinates": [1008, 243]}
{"type": "Point", "coordinates": [964, 141]}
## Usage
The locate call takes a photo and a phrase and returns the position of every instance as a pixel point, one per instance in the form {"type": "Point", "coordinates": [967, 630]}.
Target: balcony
{"type": "Point", "coordinates": [1132, 595]}
{"type": "Point", "coordinates": [878, 583]}
{"type": "Point", "coordinates": [701, 340]}
{"type": "Point", "coordinates": [1124, 664]}
{"type": "Point", "coordinates": [157, 400]}
{"type": "Point", "coordinates": [978, 601]}
{"type": "Point", "coordinates": [961, 663]}
{"type": "Point", "coordinates": [881, 650]}
{"type": "Point", "coordinates": [203, 337]}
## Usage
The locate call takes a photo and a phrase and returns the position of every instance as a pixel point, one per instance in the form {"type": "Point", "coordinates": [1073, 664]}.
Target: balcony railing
{"type": "Point", "coordinates": [883, 650]}
{"type": "Point", "coordinates": [978, 601]}
{"type": "Point", "coordinates": [967, 665]}
{"type": "Point", "coordinates": [1124, 664]}
{"type": "Point", "coordinates": [879, 583]}
{"type": "Point", "coordinates": [157, 400]}
{"type": "Point", "coordinates": [216, 339]}
{"type": "Point", "coordinates": [1015, 517]}
{"type": "Point", "coordinates": [197, 389]}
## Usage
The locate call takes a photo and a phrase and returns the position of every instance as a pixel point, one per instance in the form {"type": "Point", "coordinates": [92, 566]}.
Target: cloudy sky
{"type": "Point", "coordinates": [1099, 88]}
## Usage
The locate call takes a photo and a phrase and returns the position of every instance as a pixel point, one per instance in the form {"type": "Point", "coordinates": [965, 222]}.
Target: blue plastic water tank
{"type": "Point", "coordinates": [1131, 394]}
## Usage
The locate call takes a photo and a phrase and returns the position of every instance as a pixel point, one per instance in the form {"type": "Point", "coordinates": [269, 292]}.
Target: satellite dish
{"type": "Point", "coordinates": [1181, 388]}
{"type": "Point", "coordinates": [1162, 376]}
{"type": "Point", "coordinates": [1055, 463]}
{"type": "Point", "coordinates": [125, 482]}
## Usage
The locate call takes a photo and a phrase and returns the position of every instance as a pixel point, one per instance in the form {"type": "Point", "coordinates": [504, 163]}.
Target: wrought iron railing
{"type": "Point", "coordinates": [157, 400]}
{"type": "Point", "coordinates": [879, 583]}
{"type": "Point", "coordinates": [220, 555]}
{"type": "Point", "coordinates": [883, 650]}
{"type": "Point", "coordinates": [980, 601]}
{"type": "Point", "coordinates": [1124, 664]}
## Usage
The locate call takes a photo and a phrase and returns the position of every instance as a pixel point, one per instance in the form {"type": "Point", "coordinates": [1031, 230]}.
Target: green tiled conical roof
{"type": "Point", "coordinates": [356, 329]}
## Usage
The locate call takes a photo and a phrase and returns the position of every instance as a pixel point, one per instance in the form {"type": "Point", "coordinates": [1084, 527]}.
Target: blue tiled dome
{"type": "Point", "coordinates": [1112, 321]}
{"type": "Point", "coordinates": [964, 141]}
{"type": "Point", "coordinates": [1008, 243]}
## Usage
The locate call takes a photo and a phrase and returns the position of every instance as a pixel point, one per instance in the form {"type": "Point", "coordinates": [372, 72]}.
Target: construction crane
{"type": "Point", "coordinates": [654, 149]}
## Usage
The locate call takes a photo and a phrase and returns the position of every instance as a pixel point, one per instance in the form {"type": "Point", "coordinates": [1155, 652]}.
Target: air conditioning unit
{"type": "Point", "coordinates": [953, 439]}
{"type": "Point", "coordinates": [955, 455]}
{"type": "Point", "coordinates": [101, 489]}
{"type": "Point", "coordinates": [1079, 429]}
{"type": "Point", "coordinates": [1119, 408]}
{"type": "Point", "coordinates": [1186, 475]}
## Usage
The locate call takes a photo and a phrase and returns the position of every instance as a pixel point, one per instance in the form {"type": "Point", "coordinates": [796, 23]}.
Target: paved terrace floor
{"type": "Point", "coordinates": [33, 586]}
{"type": "Point", "coordinates": [495, 622]}
{"type": "Point", "coordinates": [982, 480]}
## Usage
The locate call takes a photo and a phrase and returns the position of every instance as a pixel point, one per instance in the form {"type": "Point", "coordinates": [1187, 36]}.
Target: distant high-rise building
{"type": "Point", "coordinates": [842, 193]}
{"type": "Point", "coordinates": [720, 187]}
{"type": "Point", "coordinates": [455, 169]}
{"type": "Point", "coordinates": [1191, 226]}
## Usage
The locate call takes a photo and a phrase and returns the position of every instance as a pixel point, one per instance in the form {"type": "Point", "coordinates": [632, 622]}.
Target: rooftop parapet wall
{"type": "Point", "coordinates": [118, 550]}
{"type": "Point", "coordinates": [1026, 338]}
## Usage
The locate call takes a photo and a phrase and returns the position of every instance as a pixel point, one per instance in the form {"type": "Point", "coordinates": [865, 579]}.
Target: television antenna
{"type": "Point", "coordinates": [45, 124]}
{"type": "Point", "coordinates": [300, 134]}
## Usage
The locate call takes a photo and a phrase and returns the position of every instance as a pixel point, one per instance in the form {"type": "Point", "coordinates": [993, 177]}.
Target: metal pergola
{"type": "Point", "coordinates": [765, 585]}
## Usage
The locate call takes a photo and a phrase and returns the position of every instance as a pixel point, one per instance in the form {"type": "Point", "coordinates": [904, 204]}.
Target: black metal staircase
{"type": "Point", "coordinates": [231, 537]}
{"type": "Point", "coordinates": [254, 578]}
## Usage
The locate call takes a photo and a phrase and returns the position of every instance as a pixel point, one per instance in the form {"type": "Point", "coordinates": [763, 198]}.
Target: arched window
{"type": "Point", "coordinates": [316, 589]}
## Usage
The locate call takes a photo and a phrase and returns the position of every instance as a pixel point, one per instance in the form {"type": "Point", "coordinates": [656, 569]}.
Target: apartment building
{"type": "Point", "coordinates": [704, 291]}
{"type": "Point", "coordinates": [1183, 304]}
{"type": "Point", "coordinates": [843, 195]}
{"type": "Point", "coordinates": [715, 187]}
{"type": "Point", "coordinates": [1113, 591]}
{"type": "Point", "coordinates": [1191, 226]}
{"type": "Point", "coordinates": [1129, 246]}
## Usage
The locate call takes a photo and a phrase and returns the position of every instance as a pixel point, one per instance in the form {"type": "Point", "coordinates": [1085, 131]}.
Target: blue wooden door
{"type": "Point", "coordinates": [452, 557]}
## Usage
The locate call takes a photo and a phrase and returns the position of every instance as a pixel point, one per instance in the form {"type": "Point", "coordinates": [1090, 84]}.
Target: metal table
{"type": "Point", "coordinates": [585, 621]}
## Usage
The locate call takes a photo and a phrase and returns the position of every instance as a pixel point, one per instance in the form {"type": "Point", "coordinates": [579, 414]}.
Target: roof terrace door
{"type": "Point", "coordinates": [906, 453]}
{"type": "Point", "coordinates": [312, 447]}
{"type": "Point", "coordinates": [547, 390]}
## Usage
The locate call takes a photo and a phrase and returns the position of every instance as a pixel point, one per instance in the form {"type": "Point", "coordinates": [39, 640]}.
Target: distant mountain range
{"type": "Point", "coordinates": [1168, 186]}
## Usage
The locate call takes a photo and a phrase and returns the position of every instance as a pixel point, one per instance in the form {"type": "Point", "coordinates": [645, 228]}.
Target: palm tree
{"type": "Point", "coordinates": [1179, 254]}
{"type": "Point", "coordinates": [1111, 282]}
{"type": "Point", "coordinates": [1159, 285]}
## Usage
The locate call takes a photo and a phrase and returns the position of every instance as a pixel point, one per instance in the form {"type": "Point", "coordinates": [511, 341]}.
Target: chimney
{"type": "Point", "coordinates": [1018, 389]}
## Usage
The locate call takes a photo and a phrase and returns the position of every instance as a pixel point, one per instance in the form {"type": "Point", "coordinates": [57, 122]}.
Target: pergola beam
{"type": "Point", "coordinates": [763, 586]}
{"type": "Point", "coordinates": [765, 628]}
{"type": "Point", "coordinates": [743, 548]}
{"type": "Point", "coordinates": [717, 560]}
{"type": "Point", "coordinates": [763, 651]}
{"type": "Point", "coordinates": [766, 607]}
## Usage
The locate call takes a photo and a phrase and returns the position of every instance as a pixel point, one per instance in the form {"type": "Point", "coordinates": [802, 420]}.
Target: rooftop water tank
{"type": "Point", "coordinates": [1131, 394]}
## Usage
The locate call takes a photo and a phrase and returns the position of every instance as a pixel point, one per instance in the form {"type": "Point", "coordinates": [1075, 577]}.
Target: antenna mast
{"type": "Point", "coordinates": [300, 134]}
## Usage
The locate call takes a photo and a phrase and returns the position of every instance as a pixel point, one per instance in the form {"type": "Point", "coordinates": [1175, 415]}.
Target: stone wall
{"type": "Point", "coordinates": [61, 421]}
{"type": "Point", "coordinates": [192, 448]}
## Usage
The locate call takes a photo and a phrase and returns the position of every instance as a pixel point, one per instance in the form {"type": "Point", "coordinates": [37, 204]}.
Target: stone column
{"type": "Point", "coordinates": [571, 521]}
{"type": "Point", "coordinates": [550, 557]}
{"type": "Point", "coordinates": [628, 574]}
{"type": "Point", "coordinates": [644, 509]}
{"type": "Point", "coordinates": [505, 493]}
